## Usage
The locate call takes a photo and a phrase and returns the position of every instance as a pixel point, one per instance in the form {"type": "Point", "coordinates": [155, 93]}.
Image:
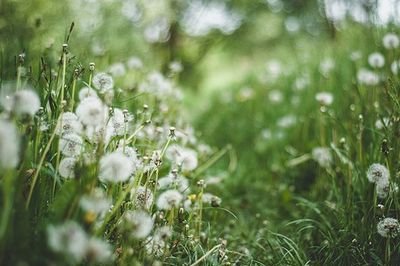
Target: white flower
{"type": "Point", "coordinates": [134, 63]}
{"type": "Point", "coordinates": [116, 123]}
{"type": "Point", "coordinates": [92, 112]}
{"type": "Point", "coordinates": [9, 145]}
{"type": "Point", "coordinates": [142, 197]}
{"type": "Point", "coordinates": [378, 173]}
{"type": "Point", "coordinates": [97, 202]}
{"type": "Point", "coordinates": [163, 233]}
{"type": "Point", "coordinates": [169, 199]}
{"type": "Point", "coordinates": [174, 181]}
{"type": "Point", "coordinates": [176, 67]}
{"type": "Point", "coordinates": [395, 67]}
{"type": "Point", "coordinates": [286, 121]}
{"type": "Point", "coordinates": [96, 250]}
{"type": "Point", "coordinates": [183, 157]}
{"type": "Point", "coordinates": [324, 98]}
{"type": "Point", "coordinates": [25, 102]}
{"type": "Point", "coordinates": [117, 69]}
{"type": "Point", "coordinates": [388, 227]}
{"type": "Point", "coordinates": [367, 77]}
{"type": "Point", "coordinates": [211, 199]}
{"type": "Point", "coordinates": [68, 123]}
{"type": "Point", "coordinates": [69, 239]}
{"type": "Point", "coordinates": [275, 96]}
{"type": "Point", "coordinates": [157, 84]}
{"type": "Point", "coordinates": [326, 66]}
{"type": "Point", "coordinates": [356, 55]}
{"type": "Point", "coordinates": [86, 92]}
{"type": "Point", "coordinates": [71, 145]}
{"type": "Point", "coordinates": [66, 167]}
{"type": "Point", "coordinates": [381, 123]}
{"type": "Point", "coordinates": [322, 155]}
{"type": "Point", "coordinates": [103, 82]}
{"type": "Point", "coordinates": [382, 189]}
{"type": "Point", "coordinates": [391, 41]}
{"type": "Point", "coordinates": [376, 60]}
{"type": "Point", "coordinates": [140, 223]}
{"type": "Point", "coordinates": [115, 167]}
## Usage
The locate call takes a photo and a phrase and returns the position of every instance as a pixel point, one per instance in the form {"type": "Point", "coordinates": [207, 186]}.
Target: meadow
{"type": "Point", "coordinates": [199, 132]}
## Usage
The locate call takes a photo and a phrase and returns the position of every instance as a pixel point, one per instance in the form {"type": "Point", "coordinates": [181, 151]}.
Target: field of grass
{"type": "Point", "coordinates": [134, 136]}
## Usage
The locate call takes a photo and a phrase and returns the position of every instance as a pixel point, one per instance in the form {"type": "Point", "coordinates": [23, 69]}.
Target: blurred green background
{"type": "Point", "coordinates": [240, 61]}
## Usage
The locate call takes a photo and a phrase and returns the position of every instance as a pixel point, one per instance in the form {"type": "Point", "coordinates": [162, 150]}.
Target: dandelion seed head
{"type": "Point", "coordinates": [71, 145]}
{"type": "Point", "coordinates": [115, 167]}
{"type": "Point", "coordinates": [134, 63]}
{"type": "Point", "coordinates": [66, 167]}
{"type": "Point", "coordinates": [140, 223]}
{"type": "Point", "coordinates": [117, 69]}
{"type": "Point", "coordinates": [96, 202]}
{"type": "Point", "coordinates": [68, 239]}
{"type": "Point", "coordinates": [103, 82]}
{"type": "Point", "coordinates": [98, 251]}
{"type": "Point", "coordinates": [367, 77]}
{"type": "Point", "coordinates": [169, 199]}
{"type": "Point", "coordinates": [388, 227]}
{"type": "Point", "coordinates": [87, 92]}
{"type": "Point", "coordinates": [391, 41]}
{"type": "Point", "coordinates": [324, 98]}
{"type": "Point", "coordinates": [25, 102]}
{"type": "Point", "coordinates": [142, 197]}
{"type": "Point", "coordinates": [323, 156]}
{"type": "Point", "coordinates": [378, 173]}
{"type": "Point", "coordinates": [92, 112]}
{"type": "Point", "coordinates": [376, 60]}
{"type": "Point", "coordinates": [68, 123]}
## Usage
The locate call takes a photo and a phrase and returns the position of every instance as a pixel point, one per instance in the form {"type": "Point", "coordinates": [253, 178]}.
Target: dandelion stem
{"type": "Point", "coordinates": [34, 179]}
{"type": "Point", "coordinates": [197, 262]}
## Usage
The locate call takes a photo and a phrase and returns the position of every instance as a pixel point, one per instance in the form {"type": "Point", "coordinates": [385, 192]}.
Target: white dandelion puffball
{"type": "Point", "coordinates": [376, 60]}
{"type": "Point", "coordinates": [92, 112]}
{"type": "Point", "coordinates": [378, 173]}
{"type": "Point", "coordinates": [115, 167]}
{"type": "Point", "coordinates": [394, 67]}
{"type": "Point", "coordinates": [68, 123]}
{"type": "Point", "coordinates": [388, 227]}
{"type": "Point", "coordinates": [382, 190]}
{"type": "Point", "coordinates": [117, 69]}
{"type": "Point", "coordinates": [163, 233]}
{"type": "Point", "coordinates": [169, 199]}
{"type": "Point", "coordinates": [71, 145]}
{"type": "Point", "coordinates": [98, 251]}
{"type": "Point", "coordinates": [134, 63]}
{"type": "Point", "coordinates": [175, 67]}
{"type": "Point", "coordinates": [97, 202]}
{"type": "Point", "coordinates": [116, 123]}
{"type": "Point", "coordinates": [322, 155]}
{"type": "Point", "coordinates": [390, 41]}
{"type": "Point", "coordinates": [324, 98]}
{"type": "Point", "coordinates": [66, 167]}
{"type": "Point", "coordinates": [367, 77]}
{"type": "Point", "coordinates": [25, 102]}
{"type": "Point", "coordinates": [183, 157]}
{"type": "Point", "coordinates": [140, 223]}
{"type": "Point", "coordinates": [211, 199]}
{"type": "Point", "coordinates": [171, 181]}
{"type": "Point", "coordinates": [142, 197]}
{"type": "Point", "coordinates": [86, 92]}
{"type": "Point", "coordinates": [9, 145]}
{"type": "Point", "coordinates": [68, 239]}
{"type": "Point", "coordinates": [103, 82]}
